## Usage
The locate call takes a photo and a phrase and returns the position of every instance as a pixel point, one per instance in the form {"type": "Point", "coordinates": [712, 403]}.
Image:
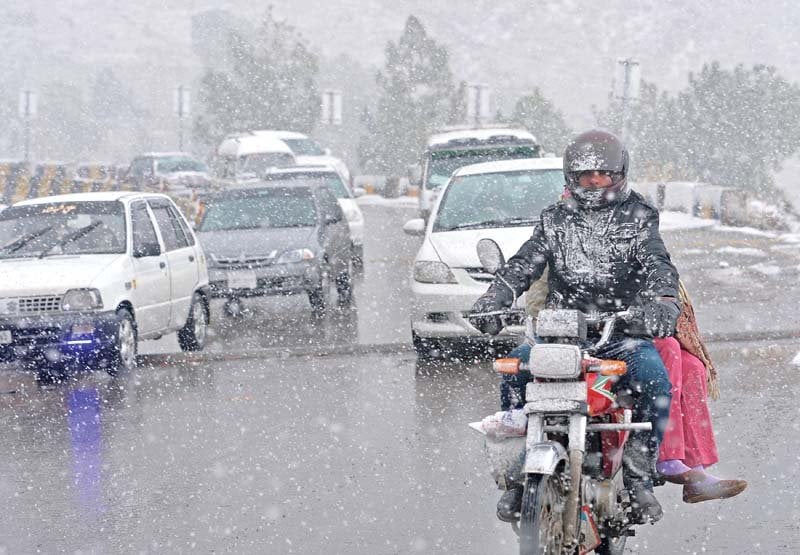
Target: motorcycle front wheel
{"type": "Point", "coordinates": [541, 523]}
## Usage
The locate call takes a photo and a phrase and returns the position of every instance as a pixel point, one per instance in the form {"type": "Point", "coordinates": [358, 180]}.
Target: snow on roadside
{"type": "Point", "coordinates": [671, 221]}
{"type": "Point", "coordinates": [377, 200]}
{"type": "Point", "coordinates": [744, 251]}
{"type": "Point", "coordinates": [796, 360]}
{"type": "Point", "coordinates": [765, 269]}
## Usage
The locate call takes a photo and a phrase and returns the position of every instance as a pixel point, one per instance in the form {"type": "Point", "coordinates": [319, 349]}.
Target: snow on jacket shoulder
{"type": "Point", "coordinates": [602, 259]}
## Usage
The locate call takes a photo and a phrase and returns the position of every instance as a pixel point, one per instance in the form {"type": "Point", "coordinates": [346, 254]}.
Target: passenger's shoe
{"type": "Point", "coordinates": [645, 508]}
{"type": "Point", "coordinates": [688, 477]}
{"type": "Point", "coordinates": [510, 505]}
{"type": "Point", "coordinates": [696, 493]}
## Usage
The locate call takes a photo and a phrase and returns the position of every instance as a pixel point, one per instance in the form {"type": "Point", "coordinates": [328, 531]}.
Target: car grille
{"type": "Point", "coordinates": [479, 274]}
{"type": "Point", "coordinates": [36, 305]}
{"type": "Point", "coordinates": [244, 261]}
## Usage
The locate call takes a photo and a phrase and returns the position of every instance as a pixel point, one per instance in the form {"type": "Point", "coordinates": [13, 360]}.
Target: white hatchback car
{"type": "Point", "coordinates": [83, 277]}
{"type": "Point", "coordinates": [495, 200]}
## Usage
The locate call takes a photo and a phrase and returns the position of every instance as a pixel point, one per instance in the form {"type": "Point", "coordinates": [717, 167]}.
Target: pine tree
{"type": "Point", "coordinates": [539, 116]}
{"type": "Point", "coordinates": [415, 97]}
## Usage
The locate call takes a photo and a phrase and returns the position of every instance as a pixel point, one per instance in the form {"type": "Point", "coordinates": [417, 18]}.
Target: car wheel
{"type": "Point", "coordinates": [320, 297]}
{"type": "Point", "coordinates": [344, 288]}
{"type": "Point", "coordinates": [192, 337]}
{"type": "Point", "coordinates": [123, 352]}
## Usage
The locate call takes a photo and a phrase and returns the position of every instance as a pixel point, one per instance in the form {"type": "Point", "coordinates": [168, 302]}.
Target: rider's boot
{"type": "Point", "coordinates": [637, 471]}
{"type": "Point", "coordinates": [510, 504]}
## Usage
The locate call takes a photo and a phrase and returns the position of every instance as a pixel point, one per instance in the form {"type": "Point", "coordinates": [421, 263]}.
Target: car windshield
{"type": "Point", "coordinates": [259, 163]}
{"type": "Point", "coordinates": [265, 208]}
{"type": "Point", "coordinates": [304, 147]}
{"type": "Point", "coordinates": [62, 228]}
{"type": "Point", "coordinates": [498, 199]}
{"type": "Point", "coordinates": [174, 164]}
{"type": "Point", "coordinates": [443, 163]}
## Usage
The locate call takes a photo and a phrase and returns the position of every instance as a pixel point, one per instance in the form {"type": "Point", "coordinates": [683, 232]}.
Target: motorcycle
{"type": "Point", "coordinates": [569, 459]}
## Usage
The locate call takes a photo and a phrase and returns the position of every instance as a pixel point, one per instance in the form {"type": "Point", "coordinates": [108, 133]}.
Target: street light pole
{"type": "Point", "coordinates": [181, 110]}
{"type": "Point", "coordinates": [630, 89]}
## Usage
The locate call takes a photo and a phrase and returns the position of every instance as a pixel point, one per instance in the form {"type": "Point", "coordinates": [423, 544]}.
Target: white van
{"type": "Point", "coordinates": [245, 157]}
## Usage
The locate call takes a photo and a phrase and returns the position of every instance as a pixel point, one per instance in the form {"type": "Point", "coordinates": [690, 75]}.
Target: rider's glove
{"type": "Point", "coordinates": [493, 300]}
{"type": "Point", "coordinates": [660, 316]}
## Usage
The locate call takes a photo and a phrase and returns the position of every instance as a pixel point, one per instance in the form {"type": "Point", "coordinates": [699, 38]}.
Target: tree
{"type": "Point", "coordinates": [415, 97]}
{"type": "Point", "coordinates": [537, 114]}
{"type": "Point", "coordinates": [727, 127]}
{"type": "Point", "coordinates": [270, 83]}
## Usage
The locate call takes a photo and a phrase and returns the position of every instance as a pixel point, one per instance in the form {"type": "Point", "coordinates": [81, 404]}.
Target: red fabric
{"type": "Point", "coordinates": [689, 436]}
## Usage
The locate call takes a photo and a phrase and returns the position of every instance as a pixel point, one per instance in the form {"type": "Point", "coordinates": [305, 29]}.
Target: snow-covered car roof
{"type": "Point", "coordinates": [499, 134]}
{"type": "Point", "coordinates": [165, 154]}
{"type": "Point", "coordinates": [108, 196]}
{"type": "Point", "coordinates": [305, 169]}
{"type": "Point", "coordinates": [521, 164]}
{"type": "Point", "coordinates": [241, 145]}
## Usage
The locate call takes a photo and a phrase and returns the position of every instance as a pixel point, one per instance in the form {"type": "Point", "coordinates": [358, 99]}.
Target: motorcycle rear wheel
{"type": "Point", "coordinates": [541, 529]}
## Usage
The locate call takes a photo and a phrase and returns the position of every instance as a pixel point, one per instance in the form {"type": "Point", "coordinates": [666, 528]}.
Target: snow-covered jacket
{"type": "Point", "coordinates": [604, 259]}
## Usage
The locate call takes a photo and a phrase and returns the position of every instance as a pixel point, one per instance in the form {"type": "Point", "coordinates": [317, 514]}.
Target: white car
{"type": "Point", "coordinates": [307, 152]}
{"type": "Point", "coordinates": [83, 277]}
{"type": "Point", "coordinates": [495, 200]}
{"type": "Point", "coordinates": [344, 196]}
{"type": "Point", "coordinates": [245, 158]}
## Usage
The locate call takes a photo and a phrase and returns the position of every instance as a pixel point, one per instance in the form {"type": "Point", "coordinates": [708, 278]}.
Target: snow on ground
{"type": "Point", "coordinates": [796, 360]}
{"type": "Point", "coordinates": [678, 220]}
{"type": "Point", "coordinates": [765, 269]}
{"type": "Point", "coordinates": [746, 230]}
{"type": "Point", "coordinates": [745, 251]}
{"type": "Point", "coordinates": [381, 201]}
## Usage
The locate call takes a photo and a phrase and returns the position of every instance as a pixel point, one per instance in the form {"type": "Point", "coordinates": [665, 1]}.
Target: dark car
{"type": "Point", "coordinates": [175, 173]}
{"type": "Point", "coordinates": [276, 239]}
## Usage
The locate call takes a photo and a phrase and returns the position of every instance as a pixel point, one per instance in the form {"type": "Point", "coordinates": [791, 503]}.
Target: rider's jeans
{"type": "Point", "coordinates": [646, 380]}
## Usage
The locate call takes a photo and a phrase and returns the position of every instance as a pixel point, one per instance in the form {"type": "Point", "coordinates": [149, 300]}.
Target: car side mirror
{"type": "Point", "coordinates": [359, 192]}
{"type": "Point", "coordinates": [415, 227]}
{"type": "Point", "coordinates": [333, 218]}
{"type": "Point", "coordinates": [490, 255]}
{"type": "Point", "coordinates": [144, 250]}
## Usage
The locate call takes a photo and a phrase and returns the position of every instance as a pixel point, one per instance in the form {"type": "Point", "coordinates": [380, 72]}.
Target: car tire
{"type": "Point", "coordinates": [192, 336]}
{"type": "Point", "coordinates": [320, 296]}
{"type": "Point", "coordinates": [124, 349]}
{"type": "Point", "coordinates": [344, 287]}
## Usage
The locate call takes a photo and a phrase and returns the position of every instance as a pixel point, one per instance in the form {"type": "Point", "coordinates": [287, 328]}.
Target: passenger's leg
{"type": "Point", "coordinates": [672, 446]}
{"type": "Point", "coordinates": [701, 448]}
{"type": "Point", "coordinates": [512, 387]}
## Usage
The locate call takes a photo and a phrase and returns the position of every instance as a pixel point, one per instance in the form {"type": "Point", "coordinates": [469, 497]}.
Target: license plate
{"type": "Point", "coordinates": [5, 337]}
{"type": "Point", "coordinates": [242, 280]}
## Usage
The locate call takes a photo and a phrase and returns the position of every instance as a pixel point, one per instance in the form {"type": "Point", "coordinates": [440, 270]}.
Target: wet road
{"type": "Point", "coordinates": [370, 453]}
{"type": "Point", "coordinates": [337, 455]}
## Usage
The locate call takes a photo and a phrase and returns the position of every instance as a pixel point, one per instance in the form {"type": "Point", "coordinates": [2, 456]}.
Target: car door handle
{"type": "Point", "coordinates": [162, 265]}
{"type": "Point", "coordinates": [191, 258]}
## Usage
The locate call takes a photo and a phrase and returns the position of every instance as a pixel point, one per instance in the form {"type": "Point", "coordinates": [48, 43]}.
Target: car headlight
{"type": "Point", "coordinates": [352, 215]}
{"type": "Point", "coordinates": [295, 255]}
{"type": "Point", "coordinates": [81, 299]}
{"type": "Point", "coordinates": [430, 271]}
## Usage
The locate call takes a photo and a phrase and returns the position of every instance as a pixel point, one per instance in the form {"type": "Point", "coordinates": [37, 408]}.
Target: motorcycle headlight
{"type": "Point", "coordinates": [431, 271]}
{"type": "Point", "coordinates": [295, 255]}
{"type": "Point", "coordinates": [81, 299]}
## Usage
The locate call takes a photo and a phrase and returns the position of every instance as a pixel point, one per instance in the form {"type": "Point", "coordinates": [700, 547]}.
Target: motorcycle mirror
{"type": "Point", "coordinates": [490, 255]}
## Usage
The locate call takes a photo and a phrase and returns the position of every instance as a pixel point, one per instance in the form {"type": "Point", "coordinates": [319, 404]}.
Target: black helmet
{"type": "Point", "coordinates": [596, 150]}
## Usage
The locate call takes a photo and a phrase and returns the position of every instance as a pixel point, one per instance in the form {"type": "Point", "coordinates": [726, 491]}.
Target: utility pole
{"type": "Point", "coordinates": [629, 74]}
{"type": "Point", "coordinates": [182, 104]}
{"type": "Point", "coordinates": [27, 109]}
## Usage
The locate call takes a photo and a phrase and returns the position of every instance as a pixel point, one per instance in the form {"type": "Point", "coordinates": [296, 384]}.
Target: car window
{"type": "Point", "coordinates": [328, 205]}
{"type": "Point", "coordinates": [304, 147]}
{"type": "Point", "coordinates": [276, 207]}
{"type": "Point", "coordinates": [442, 163]}
{"type": "Point", "coordinates": [57, 228]}
{"type": "Point", "coordinates": [171, 231]}
{"type": "Point", "coordinates": [172, 164]}
{"type": "Point", "coordinates": [187, 234]}
{"type": "Point", "coordinates": [142, 227]}
{"type": "Point", "coordinates": [498, 199]}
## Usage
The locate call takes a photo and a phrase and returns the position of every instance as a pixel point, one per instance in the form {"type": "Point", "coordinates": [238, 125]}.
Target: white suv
{"type": "Point", "coordinates": [496, 200]}
{"type": "Point", "coordinates": [83, 277]}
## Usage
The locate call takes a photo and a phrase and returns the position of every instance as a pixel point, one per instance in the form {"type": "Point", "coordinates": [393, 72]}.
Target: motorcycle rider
{"type": "Point", "coordinates": [603, 252]}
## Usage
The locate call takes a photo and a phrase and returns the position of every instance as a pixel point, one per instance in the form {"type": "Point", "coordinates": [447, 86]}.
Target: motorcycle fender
{"type": "Point", "coordinates": [544, 457]}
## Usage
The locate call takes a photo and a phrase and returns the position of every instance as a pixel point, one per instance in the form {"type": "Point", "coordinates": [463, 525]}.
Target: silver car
{"type": "Point", "coordinates": [280, 238]}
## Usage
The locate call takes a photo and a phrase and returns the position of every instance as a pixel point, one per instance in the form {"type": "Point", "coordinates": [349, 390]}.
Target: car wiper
{"type": "Point", "coordinates": [490, 223]}
{"type": "Point", "coordinates": [20, 242]}
{"type": "Point", "coordinates": [74, 236]}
